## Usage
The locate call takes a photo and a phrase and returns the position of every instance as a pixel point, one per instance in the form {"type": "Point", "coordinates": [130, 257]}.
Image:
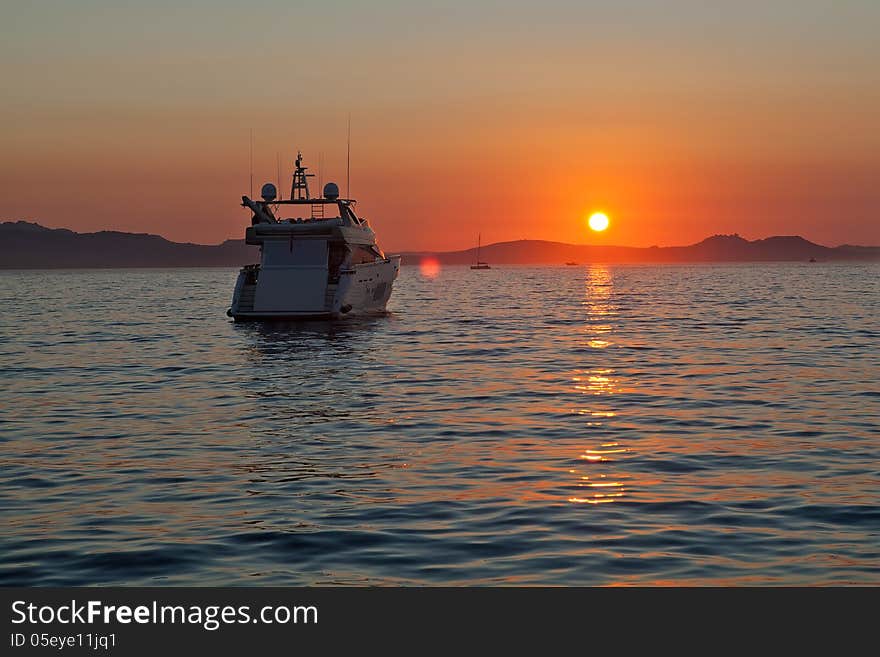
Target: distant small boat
{"type": "Point", "coordinates": [812, 260]}
{"type": "Point", "coordinates": [480, 265]}
{"type": "Point", "coordinates": [571, 264]}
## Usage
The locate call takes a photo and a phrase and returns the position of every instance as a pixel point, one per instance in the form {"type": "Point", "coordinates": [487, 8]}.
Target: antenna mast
{"type": "Point", "coordinates": [348, 160]}
{"type": "Point", "coordinates": [278, 173]}
{"type": "Point", "coordinates": [300, 187]}
{"type": "Point", "coordinates": [252, 162]}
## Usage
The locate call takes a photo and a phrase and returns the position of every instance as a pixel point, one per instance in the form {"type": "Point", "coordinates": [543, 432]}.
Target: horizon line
{"type": "Point", "coordinates": [430, 251]}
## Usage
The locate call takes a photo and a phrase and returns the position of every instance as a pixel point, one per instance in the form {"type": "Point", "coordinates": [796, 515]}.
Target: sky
{"type": "Point", "coordinates": [512, 120]}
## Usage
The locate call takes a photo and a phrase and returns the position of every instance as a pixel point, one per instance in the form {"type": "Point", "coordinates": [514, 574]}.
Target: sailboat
{"type": "Point", "coordinates": [480, 265]}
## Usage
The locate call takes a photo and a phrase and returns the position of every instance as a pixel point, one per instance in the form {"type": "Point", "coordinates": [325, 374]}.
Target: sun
{"type": "Point", "coordinates": [598, 221]}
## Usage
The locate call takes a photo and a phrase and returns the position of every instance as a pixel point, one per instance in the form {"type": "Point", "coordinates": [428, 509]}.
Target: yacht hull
{"type": "Point", "coordinates": [361, 289]}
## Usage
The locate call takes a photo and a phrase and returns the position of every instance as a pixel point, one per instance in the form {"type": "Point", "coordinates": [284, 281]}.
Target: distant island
{"type": "Point", "coordinates": [26, 245]}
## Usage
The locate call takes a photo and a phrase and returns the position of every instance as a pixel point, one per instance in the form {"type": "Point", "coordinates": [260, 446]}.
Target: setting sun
{"type": "Point", "coordinates": [598, 221]}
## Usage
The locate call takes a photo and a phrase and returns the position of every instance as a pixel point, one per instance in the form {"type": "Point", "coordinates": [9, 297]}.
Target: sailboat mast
{"type": "Point", "coordinates": [478, 248]}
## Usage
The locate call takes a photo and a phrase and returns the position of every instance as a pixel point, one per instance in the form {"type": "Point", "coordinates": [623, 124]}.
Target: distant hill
{"type": "Point", "coordinates": [25, 245]}
{"type": "Point", "coordinates": [718, 248]}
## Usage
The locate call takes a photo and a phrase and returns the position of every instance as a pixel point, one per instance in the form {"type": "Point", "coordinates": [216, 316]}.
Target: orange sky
{"type": "Point", "coordinates": [506, 119]}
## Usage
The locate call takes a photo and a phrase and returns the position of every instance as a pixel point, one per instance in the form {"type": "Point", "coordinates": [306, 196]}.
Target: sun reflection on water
{"type": "Point", "coordinates": [600, 383]}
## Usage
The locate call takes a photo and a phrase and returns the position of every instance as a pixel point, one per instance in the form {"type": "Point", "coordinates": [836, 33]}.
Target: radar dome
{"type": "Point", "coordinates": [268, 192]}
{"type": "Point", "coordinates": [331, 191]}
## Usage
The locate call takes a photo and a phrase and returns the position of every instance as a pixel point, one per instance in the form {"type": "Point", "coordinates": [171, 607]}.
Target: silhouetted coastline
{"type": "Point", "coordinates": [26, 245]}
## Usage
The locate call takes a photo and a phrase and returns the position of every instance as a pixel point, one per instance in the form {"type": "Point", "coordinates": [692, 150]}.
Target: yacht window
{"type": "Point", "coordinates": [362, 254]}
{"type": "Point", "coordinates": [350, 213]}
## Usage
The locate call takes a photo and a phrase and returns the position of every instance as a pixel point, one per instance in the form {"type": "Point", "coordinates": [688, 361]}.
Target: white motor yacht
{"type": "Point", "coordinates": [312, 267]}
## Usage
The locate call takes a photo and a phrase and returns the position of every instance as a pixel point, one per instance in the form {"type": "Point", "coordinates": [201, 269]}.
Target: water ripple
{"type": "Point", "coordinates": [522, 425]}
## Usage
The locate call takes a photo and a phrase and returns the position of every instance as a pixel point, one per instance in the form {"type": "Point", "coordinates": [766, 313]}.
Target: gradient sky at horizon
{"type": "Point", "coordinates": [511, 119]}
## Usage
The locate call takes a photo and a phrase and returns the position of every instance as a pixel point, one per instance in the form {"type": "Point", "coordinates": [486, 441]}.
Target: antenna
{"type": "Point", "coordinates": [348, 160]}
{"type": "Point", "coordinates": [252, 162]}
{"type": "Point", "coordinates": [278, 172]}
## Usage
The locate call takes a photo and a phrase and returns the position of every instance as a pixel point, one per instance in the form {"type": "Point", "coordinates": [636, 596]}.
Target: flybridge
{"type": "Point", "coordinates": [299, 195]}
{"type": "Point", "coordinates": [313, 201]}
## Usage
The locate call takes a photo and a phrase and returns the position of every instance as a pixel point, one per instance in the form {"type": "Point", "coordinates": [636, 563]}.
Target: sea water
{"type": "Point", "coordinates": [705, 424]}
